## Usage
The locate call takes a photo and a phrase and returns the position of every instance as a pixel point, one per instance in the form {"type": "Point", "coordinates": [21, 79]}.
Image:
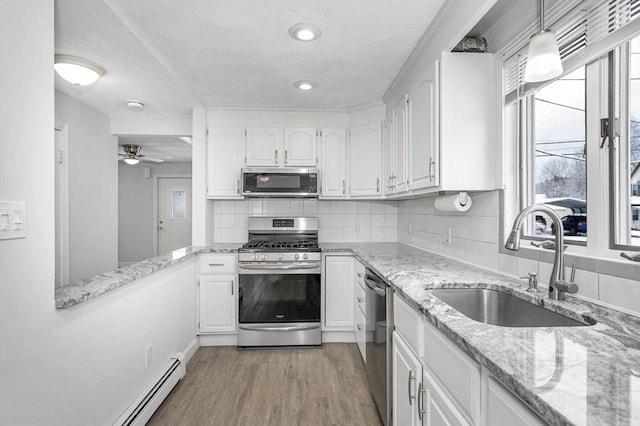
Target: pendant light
{"type": "Point", "coordinates": [543, 57]}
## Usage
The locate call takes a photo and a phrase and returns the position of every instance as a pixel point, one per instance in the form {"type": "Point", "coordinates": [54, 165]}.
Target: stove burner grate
{"type": "Point", "coordinates": [280, 245]}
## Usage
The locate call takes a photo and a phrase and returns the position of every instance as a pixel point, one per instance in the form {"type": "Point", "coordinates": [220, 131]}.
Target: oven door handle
{"type": "Point", "coordinates": [377, 290]}
{"type": "Point", "coordinates": [276, 328]}
{"type": "Point", "coordinates": [280, 267]}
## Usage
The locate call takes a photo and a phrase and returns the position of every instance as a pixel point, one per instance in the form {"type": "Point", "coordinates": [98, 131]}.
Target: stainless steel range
{"type": "Point", "coordinates": [279, 283]}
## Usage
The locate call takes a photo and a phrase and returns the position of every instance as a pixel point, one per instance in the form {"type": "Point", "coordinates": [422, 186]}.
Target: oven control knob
{"type": "Point", "coordinates": [254, 257]}
{"type": "Point", "coordinates": [281, 256]}
{"type": "Point", "coordinates": [304, 256]}
{"type": "Point", "coordinates": [264, 257]}
{"type": "Point", "coordinates": [297, 256]}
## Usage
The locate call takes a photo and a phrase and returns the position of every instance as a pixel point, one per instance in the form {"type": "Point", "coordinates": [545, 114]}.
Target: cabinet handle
{"type": "Point", "coordinates": [360, 299]}
{"type": "Point", "coordinates": [377, 184]}
{"type": "Point", "coordinates": [393, 183]}
{"type": "Point", "coordinates": [421, 392]}
{"type": "Point", "coordinates": [216, 264]}
{"type": "Point", "coordinates": [286, 154]}
{"type": "Point", "coordinates": [275, 157]}
{"type": "Point", "coordinates": [238, 186]}
{"type": "Point", "coordinates": [431, 173]}
{"type": "Point", "coordinates": [411, 377]}
{"type": "Point", "coordinates": [360, 274]}
{"type": "Point", "coordinates": [232, 287]}
{"type": "Point", "coordinates": [359, 327]}
{"type": "Point", "coordinates": [344, 186]}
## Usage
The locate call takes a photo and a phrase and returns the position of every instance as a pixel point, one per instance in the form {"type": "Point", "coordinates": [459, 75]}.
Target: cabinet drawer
{"type": "Point", "coordinates": [459, 374]}
{"type": "Point", "coordinates": [408, 323]}
{"type": "Point", "coordinates": [360, 298]}
{"type": "Point", "coordinates": [217, 264]}
{"type": "Point", "coordinates": [505, 409]}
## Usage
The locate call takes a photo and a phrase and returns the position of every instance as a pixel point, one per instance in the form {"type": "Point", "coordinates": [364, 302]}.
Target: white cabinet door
{"type": "Point", "coordinates": [339, 301]}
{"type": "Point", "coordinates": [224, 156]}
{"type": "Point", "coordinates": [218, 304]}
{"type": "Point", "coordinates": [422, 152]}
{"type": "Point", "coordinates": [401, 136]}
{"type": "Point", "coordinates": [407, 378]}
{"type": "Point", "coordinates": [467, 125]}
{"type": "Point", "coordinates": [333, 144]}
{"type": "Point", "coordinates": [364, 159]}
{"type": "Point", "coordinates": [388, 156]}
{"type": "Point", "coordinates": [435, 408]}
{"type": "Point", "coordinates": [264, 147]}
{"type": "Point", "coordinates": [503, 408]}
{"type": "Point", "coordinates": [300, 147]}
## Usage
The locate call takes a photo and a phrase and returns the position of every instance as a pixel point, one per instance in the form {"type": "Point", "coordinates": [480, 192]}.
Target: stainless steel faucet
{"type": "Point", "coordinates": [557, 284]}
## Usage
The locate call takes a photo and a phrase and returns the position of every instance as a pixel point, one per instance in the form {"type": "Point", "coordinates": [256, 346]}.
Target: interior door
{"type": "Point", "coordinates": [174, 214]}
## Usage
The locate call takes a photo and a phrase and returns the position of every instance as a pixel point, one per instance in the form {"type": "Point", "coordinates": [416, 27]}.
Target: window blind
{"type": "Point", "coordinates": [584, 33]}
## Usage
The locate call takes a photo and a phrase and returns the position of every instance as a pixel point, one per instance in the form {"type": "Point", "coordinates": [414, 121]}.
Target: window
{"type": "Point", "coordinates": [564, 160]}
{"type": "Point", "coordinates": [178, 208]}
{"type": "Point", "coordinates": [558, 159]}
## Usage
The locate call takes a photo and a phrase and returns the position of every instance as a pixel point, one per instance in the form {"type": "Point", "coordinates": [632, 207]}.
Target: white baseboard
{"type": "Point", "coordinates": [338, 337]}
{"type": "Point", "coordinates": [191, 349]}
{"type": "Point", "coordinates": [218, 340]}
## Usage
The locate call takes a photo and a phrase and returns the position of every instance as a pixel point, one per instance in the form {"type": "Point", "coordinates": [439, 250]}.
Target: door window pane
{"type": "Point", "coordinates": [559, 157]}
{"type": "Point", "coordinates": [178, 209]}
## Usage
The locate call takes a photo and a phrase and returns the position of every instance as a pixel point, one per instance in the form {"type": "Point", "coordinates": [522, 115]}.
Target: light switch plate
{"type": "Point", "coordinates": [13, 220]}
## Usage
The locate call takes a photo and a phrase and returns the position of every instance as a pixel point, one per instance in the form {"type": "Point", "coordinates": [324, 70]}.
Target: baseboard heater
{"type": "Point", "coordinates": [141, 410]}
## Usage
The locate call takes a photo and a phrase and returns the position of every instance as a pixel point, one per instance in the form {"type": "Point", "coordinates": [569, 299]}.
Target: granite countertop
{"type": "Point", "coordinates": [568, 375]}
{"type": "Point", "coordinates": [89, 288]}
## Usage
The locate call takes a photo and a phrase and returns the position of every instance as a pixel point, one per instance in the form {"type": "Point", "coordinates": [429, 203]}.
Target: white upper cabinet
{"type": "Point", "coordinates": [467, 122]}
{"type": "Point", "coordinates": [264, 147]}
{"type": "Point", "coordinates": [423, 147]}
{"type": "Point", "coordinates": [224, 159]}
{"type": "Point", "coordinates": [333, 165]}
{"type": "Point", "coordinates": [402, 142]}
{"type": "Point", "coordinates": [277, 147]}
{"type": "Point", "coordinates": [364, 160]}
{"type": "Point", "coordinates": [300, 147]}
{"type": "Point", "coordinates": [388, 155]}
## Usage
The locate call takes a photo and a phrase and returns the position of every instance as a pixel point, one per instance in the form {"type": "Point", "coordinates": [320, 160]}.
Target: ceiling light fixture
{"type": "Point", "coordinates": [131, 161]}
{"type": "Point", "coordinates": [543, 57]}
{"type": "Point", "coordinates": [78, 71]}
{"type": "Point", "coordinates": [305, 32]}
{"type": "Point", "coordinates": [305, 85]}
{"type": "Point", "coordinates": [136, 106]}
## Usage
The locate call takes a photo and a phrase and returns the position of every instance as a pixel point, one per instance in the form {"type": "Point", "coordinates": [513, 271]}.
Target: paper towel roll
{"type": "Point", "coordinates": [454, 203]}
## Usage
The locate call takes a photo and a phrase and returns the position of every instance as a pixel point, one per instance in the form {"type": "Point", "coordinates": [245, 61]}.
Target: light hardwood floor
{"type": "Point", "coordinates": [224, 386]}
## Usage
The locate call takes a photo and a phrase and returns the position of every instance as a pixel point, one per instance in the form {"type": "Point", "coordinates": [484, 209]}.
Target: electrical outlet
{"type": "Point", "coordinates": [447, 235]}
{"type": "Point", "coordinates": [148, 356]}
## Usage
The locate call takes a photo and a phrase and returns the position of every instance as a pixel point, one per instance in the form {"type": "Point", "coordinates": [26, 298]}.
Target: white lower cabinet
{"type": "Point", "coordinates": [435, 383]}
{"type": "Point", "coordinates": [407, 379]}
{"type": "Point", "coordinates": [503, 408]}
{"type": "Point", "coordinates": [217, 294]}
{"type": "Point", "coordinates": [339, 302]}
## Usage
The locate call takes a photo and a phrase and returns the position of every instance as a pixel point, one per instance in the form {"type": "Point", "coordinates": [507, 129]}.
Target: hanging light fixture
{"type": "Point", "coordinates": [131, 161]}
{"type": "Point", "coordinates": [78, 71]}
{"type": "Point", "coordinates": [543, 57]}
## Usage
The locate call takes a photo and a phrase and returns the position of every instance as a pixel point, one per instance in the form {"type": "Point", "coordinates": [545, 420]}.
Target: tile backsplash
{"type": "Point", "coordinates": [349, 221]}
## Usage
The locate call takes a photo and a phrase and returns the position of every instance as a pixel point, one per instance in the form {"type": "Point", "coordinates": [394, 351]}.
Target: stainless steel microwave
{"type": "Point", "coordinates": [279, 182]}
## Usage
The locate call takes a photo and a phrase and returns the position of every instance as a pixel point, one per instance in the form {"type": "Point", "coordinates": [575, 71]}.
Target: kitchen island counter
{"type": "Point", "coordinates": [567, 375]}
{"type": "Point", "coordinates": [89, 288]}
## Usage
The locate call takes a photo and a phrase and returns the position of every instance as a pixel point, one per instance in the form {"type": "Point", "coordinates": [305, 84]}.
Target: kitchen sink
{"type": "Point", "coordinates": [498, 308]}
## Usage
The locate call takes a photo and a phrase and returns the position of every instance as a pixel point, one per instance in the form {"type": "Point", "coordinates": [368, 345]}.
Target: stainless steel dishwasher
{"type": "Point", "coordinates": [379, 303]}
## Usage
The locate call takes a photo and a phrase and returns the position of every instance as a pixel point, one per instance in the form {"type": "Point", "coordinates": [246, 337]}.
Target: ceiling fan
{"type": "Point", "coordinates": [132, 155]}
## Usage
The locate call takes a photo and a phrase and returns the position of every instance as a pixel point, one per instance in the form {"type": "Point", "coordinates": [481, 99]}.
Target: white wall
{"type": "Point", "coordinates": [136, 226]}
{"type": "Point", "coordinates": [93, 188]}
{"type": "Point", "coordinates": [79, 366]}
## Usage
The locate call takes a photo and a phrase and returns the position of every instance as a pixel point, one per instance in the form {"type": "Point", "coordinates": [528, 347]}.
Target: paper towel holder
{"type": "Point", "coordinates": [458, 202]}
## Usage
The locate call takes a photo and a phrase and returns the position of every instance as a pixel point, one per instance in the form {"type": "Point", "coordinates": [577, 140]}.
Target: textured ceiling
{"type": "Point", "coordinates": [176, 55]}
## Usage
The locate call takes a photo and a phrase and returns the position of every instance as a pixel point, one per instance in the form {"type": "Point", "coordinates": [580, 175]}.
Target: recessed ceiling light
{"type": "Point", "coordinates": [136, 106]}
{"type": "Point", "coordinates": [305, 85]}
{"type": "Point", "coordinates": [78, 71]}
{"type": "Point", "coordinates": [305, 32]}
